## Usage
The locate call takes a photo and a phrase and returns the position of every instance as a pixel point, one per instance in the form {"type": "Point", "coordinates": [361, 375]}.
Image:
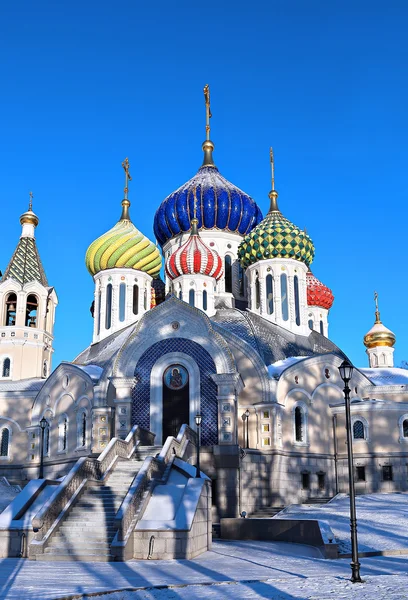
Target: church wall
{"type": "Point", "coordinates": [14, 414]}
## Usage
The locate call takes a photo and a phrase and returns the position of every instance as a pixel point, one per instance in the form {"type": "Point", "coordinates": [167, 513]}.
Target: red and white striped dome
{"type": "Point", "coordinates": [317, 293]}
{"type": "Point", "coordinates": [194, 258]}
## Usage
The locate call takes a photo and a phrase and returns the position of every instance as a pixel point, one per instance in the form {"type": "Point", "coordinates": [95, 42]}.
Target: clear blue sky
{"type": "Point", "coordinates": [84, 84]}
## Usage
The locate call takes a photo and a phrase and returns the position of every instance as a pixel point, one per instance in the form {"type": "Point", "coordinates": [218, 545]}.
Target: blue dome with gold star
{"type": "Point", "coordinates": [219, 204]}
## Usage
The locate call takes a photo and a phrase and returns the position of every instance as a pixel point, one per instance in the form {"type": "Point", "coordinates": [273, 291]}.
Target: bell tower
{"type": "Point", "coordinates": [27, 309]}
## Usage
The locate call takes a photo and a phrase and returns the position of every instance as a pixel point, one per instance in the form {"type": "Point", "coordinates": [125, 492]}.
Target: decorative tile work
{"type": "Point", "coordinates": [208, 389]}
{"type": "Point", "coordinates": [221, 205]}
{"type": "Point", "coordinates": [318, 294]}
{"type": "Point", "coordinates": [276, 237]}
{"type": "Point", "coordinates": [123, 246]}
{"type": "Point", "coordinates": [25, 264]}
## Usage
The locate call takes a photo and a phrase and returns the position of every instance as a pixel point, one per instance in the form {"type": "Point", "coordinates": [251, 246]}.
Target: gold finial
{"type": "Point", "coordinates": [207, 110]}
{"type": "Point", "coordinates": [273, 194]}
{"type": "Point", "coordinates": [208, 146]}
{"type": "Point", "coordinates": [30, 204]}
{"type": "Point", "coordinates": [125, 202]}
{"type": "Point", "coordinates": [272, 168]}
{"type": "Point", "coordinates": [377, 312]}
{"type": "Point", "coordinates": [194, 220]}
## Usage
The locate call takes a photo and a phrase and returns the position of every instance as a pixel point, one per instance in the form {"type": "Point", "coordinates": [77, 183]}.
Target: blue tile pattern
{"type": "Point", "coordinates": [221, 205]}
{"type": "Point", "coordinates": [208, 389]}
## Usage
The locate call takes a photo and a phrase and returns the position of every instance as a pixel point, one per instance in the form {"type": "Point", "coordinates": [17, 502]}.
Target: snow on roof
{"type": "Point", "coordinates": [387, 376]}
{"type": "Point", "coordinates": [276, 369]}
{"type": "Point", "coordinates": [24, 385]}
{"type": "Point", "coordinates": [93, 371]}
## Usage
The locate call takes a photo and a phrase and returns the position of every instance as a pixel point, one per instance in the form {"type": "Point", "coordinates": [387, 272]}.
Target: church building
{"type": "Point", "coordinates": [223, 318]}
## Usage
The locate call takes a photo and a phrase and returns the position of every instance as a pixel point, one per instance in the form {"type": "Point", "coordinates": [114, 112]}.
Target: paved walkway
{"type": "Point", "coordinates": [228, 562]}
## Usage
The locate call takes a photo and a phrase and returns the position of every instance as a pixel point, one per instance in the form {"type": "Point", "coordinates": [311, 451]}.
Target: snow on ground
{"type": "Point", "coordinates": [232, 570]}
{"type": "Point", "coordinates": [382, 520]}
{"type": "Point", "coordinates": [386, 587]}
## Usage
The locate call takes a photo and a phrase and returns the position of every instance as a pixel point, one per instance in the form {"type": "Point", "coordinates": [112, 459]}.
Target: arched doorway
{"type": "Point", "coordinates": [176, 399]}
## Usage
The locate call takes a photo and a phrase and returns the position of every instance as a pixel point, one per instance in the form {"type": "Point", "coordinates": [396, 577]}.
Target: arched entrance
{"type": "Point", "coordinates": [176, 399]}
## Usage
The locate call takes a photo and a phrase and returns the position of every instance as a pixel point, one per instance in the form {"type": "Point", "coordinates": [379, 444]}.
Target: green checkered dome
{"type": "Point", "coordinates": [275, 237]}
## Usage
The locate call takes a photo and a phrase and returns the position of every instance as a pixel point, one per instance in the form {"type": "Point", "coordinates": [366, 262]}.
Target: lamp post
{"type": "Point", "coordinates": [346, 372]}
{"type": "Point", "coordinates": [43, 425]}
{"type": "Point", "coordinates": [198, 419]}
{"type": "Point", "coordinates": [247, 413]}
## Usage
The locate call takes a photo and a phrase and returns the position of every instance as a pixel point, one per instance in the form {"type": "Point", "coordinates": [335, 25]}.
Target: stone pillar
{"type": "Point", "coordinates": [123, 405]}
{"type": "Point", "coordinates": [229, 385]}
{"type": "Point", "coordinates": [101, 428]}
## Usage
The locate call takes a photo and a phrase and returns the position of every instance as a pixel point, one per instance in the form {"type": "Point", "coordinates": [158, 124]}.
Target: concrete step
{"type": "Point", "coordinates": [74, 557]}
{"type": "Point", "coordinates": [72, 537]}
{"type": "Point", "coordinates": [85, 547]}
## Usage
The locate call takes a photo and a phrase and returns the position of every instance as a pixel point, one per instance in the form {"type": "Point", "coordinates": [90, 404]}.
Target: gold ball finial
{"type": "Point", "coordinates": [379, 335]}
{"type": "Point", "coordinates": [30, 217]}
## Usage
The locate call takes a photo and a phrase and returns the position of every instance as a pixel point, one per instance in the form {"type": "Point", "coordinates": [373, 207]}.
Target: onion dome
{"type": "Point", "coordinates": [317, 293]}
{"type": "Point", "coordinates": [275, 237]}
{"type": "Point", "coordinates": [123, 246]}
{"type": "Point", "coordinates": [379, 335]}
{"type": "Point", "coordinates": [194, 258]}
{"type": "Point", "coordinates": [221, 205]}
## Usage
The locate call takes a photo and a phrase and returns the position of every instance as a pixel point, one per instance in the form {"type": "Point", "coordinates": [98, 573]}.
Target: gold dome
{"type": "Point", "coordinates": [379, 335]}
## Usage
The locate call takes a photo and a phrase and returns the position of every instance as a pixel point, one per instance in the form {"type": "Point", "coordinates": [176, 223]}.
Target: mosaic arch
{"type": "Point", "coordinates": [208, 389]}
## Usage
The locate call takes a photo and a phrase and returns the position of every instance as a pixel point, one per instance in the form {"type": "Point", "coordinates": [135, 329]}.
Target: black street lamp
{"type": "Point", "coordinates": [247, 413]}
{"type": "Point", "coordinates": [346, 372]}
{"type": "Point", "coordinates": [43, 425]}
{"type": "Point", "coordinates": [198, 419]}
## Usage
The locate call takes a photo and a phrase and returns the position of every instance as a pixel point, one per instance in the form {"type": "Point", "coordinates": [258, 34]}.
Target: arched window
{"type": "Point", "coordinates": [31, 311]}
{"type": "Point", "coordinates": [98, 326]}
{"type": "Point", "coordinates": [81, 429]}
{"type": "Point", "coordinates": [191, 298]}
{"type": "Point", "coordinates": [47, 439]}
{"type": "Point", "coordinates": [135, 299]}
{"type": "Point", "coordinates": [108, 314]}
{"type": "Point", "coordinates": [122, 302]}
{"type": "Point", "coordinates": [11, 307]}
{"type": "Point", "coordinates": [62, 434]}
{"type": "Point", "coordinates": [310, 323]}
{"type": "Point", "coordinates": [257, 292]}
{"type": "Point", "coordinates": [403, 428]}
{"type": "Point", "coordinates": [382, 359]}
{"type": "Point", "coordinates": [205, 302]}
{"type": "Point", "coordinates": [269, 294]}
{"type": "Point", "coordinates": [321, 327]}
{"type": "Point", "coordinates": [180, 294]}
{"type": "Point", "coordinates": [4, 442]}
{"type": "Point", "coordinates": [299, 424]}
{"type": "Point", "coordinates": [297, 305]}
{"type": "Point", "coordinates": [241, 280]}
{"type": "Point", "coordinates": [45, 368]}
{"type": "Point", "coordinates": [145, 299]}
{"type": "Point", "coordinates": [6, 371]}
{"type": "Point", "coordinates": [284, 296]}
{"type": "Point", "coordinates": [228, 273]}
{"type": "Point", "coordinates": [358, 430]}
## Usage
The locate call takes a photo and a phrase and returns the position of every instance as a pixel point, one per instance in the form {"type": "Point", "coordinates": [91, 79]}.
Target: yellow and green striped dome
{"type": "Point", "coordinates": [275, 237]}
{"type": "Point", "coordinates": [123, 246]}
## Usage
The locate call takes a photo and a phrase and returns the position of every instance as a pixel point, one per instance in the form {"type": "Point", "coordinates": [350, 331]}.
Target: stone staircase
{"type": "Point", "coordinates": [266, 513]}
{"type": "Point", "coordinates": [88, 530]}
{"type": "Point", "coordinates": [317, 500]}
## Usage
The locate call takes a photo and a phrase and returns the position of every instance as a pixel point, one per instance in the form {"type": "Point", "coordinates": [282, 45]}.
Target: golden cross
{"type": "Point", "coordinates": [128, 177]}
{"type": "Point", "coordinates": [208, 109]}
{"type": "Point", "coordinates": [377, 312]}
{"type": "Point", "coordinates": [271, 158]}
{"type": "Point", "coordinates": [30, 204]}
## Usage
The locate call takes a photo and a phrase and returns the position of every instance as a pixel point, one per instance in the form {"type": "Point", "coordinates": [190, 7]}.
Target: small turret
{"type": "Point", "coordinates": [379, 342]}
